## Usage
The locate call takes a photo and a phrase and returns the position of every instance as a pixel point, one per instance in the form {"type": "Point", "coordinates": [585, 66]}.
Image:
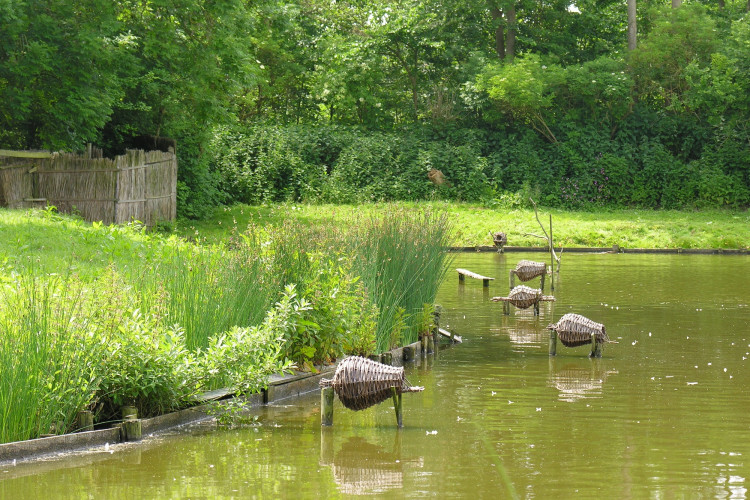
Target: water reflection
{"type": "Point", "coordinates": [578, 380]}
{"type": "Point", "coordinates": [362, 468]}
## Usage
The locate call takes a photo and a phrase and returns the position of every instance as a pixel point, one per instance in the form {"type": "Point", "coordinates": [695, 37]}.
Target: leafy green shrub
{"type": "Point", "coordinates": [243, 358]}
{"type": "Point", "coordinates": [263, 164]}
{"type": "Point", "coordinates": [147, 366]}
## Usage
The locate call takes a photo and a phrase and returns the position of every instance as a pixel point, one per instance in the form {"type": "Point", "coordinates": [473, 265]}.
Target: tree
{"type": "Point", "coordinates": [632, 25]}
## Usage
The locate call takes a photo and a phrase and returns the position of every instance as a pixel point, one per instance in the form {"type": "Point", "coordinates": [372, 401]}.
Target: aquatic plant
{"type": "Point", "coordinates": [402, 259]}
{"type": "Point", "coordinates": [49, 347]}
{"type": "Point", "coordinates": [208, 290]}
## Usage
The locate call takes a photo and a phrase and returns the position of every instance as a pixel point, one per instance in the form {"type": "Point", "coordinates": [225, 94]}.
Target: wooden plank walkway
{"type": "Point", "coordinates": [463, 273]}
{"type": "Point", "coordinates": [455, 338]}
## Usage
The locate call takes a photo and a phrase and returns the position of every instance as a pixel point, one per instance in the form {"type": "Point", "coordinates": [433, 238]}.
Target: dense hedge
{"type": "Point", "coordinates": [643, 166]}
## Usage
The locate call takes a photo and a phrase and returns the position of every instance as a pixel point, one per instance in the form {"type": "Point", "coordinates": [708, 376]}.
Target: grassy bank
{"type": "Point", "coordinates": [173, 319]}
{"type": "Point", "coordinates": [472, 223]}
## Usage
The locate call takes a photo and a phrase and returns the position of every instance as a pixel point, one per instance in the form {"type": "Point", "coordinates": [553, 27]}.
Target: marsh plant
{"type": "Point", "coordinates": [49, 352]}
{"type": "Point", "coordinates": [207, 290]}
{"type": "Point", "coordinates": [402, 259]}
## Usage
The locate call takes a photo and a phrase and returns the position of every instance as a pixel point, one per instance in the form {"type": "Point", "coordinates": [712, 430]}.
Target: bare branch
{"type": "Point", "coordinates": [546, 236]}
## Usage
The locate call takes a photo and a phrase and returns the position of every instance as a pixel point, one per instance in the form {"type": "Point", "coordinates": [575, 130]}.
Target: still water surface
{"type": "Point", "coordinates": [664, 414]}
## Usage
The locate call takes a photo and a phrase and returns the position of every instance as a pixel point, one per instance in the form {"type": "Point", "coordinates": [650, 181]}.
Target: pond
{"type": "Point", "coordinates": [663, 414]}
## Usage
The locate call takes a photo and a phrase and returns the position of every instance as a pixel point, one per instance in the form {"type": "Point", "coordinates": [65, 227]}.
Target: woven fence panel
{"type": "Point", "coordinates": [16, 184]}
{"type": "Point", "coordinates": [131, 198]}
{"type": "Point", "coordinates": [76, 184]}
{"type": "Point", "coordinates": [161, 186]}
{"type": "Point", "coordinates": [138, 185]}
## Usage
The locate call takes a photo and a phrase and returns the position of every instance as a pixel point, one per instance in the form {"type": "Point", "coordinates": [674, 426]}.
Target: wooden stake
{"type": "Point", "coordinates": [386, 358]}
{"type": "Point", "coordinates": [512, 279]}
{"type": "Point", "coordinates": [131, 430]}
{"type": "Point", "coordinates": [552, 343]}
{"type": "Point", "coordinates": [409, 354]}
{"type": "Point", "coordinates": [398, 407]}
{"type": "Point", "coordinates": [551, 258]}
{"type": "Point", "coordinates": [596, 347]}
{"type": "Point", "coordinates": [326, 406]}
{"type": "Point", "coordinates": [85, 420]}
{"type": "Point", "coordinates": [129, 412]}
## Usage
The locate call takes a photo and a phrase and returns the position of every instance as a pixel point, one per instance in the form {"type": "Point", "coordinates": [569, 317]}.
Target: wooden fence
{"type": "Point", "coordinates": [138, 185]}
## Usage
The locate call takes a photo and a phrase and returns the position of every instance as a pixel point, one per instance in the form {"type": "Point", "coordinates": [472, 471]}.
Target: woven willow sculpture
{"type": "Point", "coordinates": [524, 297]}
{"type": "Point", "coordinates": [527, 270]}
{"type": "Point", "coordinates": [361, 382]}
{"type": "Point", "coordinates": [575, 330]}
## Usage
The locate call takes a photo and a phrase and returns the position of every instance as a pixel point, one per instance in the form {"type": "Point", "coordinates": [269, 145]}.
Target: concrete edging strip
{"type": "Point", "coordinates": [686, 251]}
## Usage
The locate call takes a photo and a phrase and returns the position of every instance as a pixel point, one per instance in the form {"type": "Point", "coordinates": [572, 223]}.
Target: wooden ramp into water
{"type": "Point", "coordinates": [463, 273]}
{"type": "Point", "coordinates": [455, 338]}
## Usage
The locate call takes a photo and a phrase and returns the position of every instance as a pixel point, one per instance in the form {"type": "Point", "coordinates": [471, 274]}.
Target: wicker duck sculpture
{"type": "Point", "coordinates": [575, 330]}
{"type": "Point", "coordinates": [523, 297]}
{"type": "Point", "coordinates": [528, 270]}
{"type": "Point", "coordinates": [361, 382]}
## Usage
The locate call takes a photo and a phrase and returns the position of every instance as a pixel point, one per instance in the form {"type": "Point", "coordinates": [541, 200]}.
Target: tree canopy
{"type": "Point", "coordinates": [78, 71]}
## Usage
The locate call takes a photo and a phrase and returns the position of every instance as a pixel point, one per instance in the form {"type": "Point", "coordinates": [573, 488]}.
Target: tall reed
{"type": "Point", "coordinates": [48, 351]}
{"type": "Point", "coordinates": [402, 259]}
{"type": "Point", "coordinates": [209, 290]}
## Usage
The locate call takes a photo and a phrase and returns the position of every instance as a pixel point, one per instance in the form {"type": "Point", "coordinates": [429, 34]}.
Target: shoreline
{"type": "Point", "coordinates": [280, 388]}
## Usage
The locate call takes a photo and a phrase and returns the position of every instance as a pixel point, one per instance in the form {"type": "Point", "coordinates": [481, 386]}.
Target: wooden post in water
{"type": "Point", "coordinates": [512, 279]}
{"type": "Point", "coordinates": [409, 353]}
{"type": "Point", "coordinates": [129, 412]}
{"type": "Point", "coordinates": [506, 307]}
{"type": "Point", "coordinates": [434, 341]}
{"type": "Point", "coordinates": [552, 343]}
{"type": "Point", "coordinates": [386, 358]}
{"type": "Point", "coordinates": [536, 308]}
{"type": "Point", "coordinates": [85, 420]}
{"type": "Point", "coordinates": [551, 259]}
{"type": "Point", "coordinates": [131, 430]}
{"type": "Point", "coordinates": [398, 407]}
{"type": "Point", "coordinates": [596, 347]}
{"type": "Point", "coordinates": [326, 406]}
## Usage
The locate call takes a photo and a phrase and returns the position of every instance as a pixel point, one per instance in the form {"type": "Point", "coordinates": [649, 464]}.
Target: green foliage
{"type": "Point", "coordinates": [524, 90]}
{"type": "Point", "coordinates": [147, 367]}
{"type": "Point", "coordinates": [401, 259]}
{"type": "Point", "coordinates": [243, 357]}
{"type": "Point", "coordinates": [50, 346]}
{"type": "Point", "coordinates": [677, 38]}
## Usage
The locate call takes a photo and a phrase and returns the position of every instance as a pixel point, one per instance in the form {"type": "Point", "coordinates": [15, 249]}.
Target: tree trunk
{"type": "Point", "coordinates": [721, 5]}
{"type": "Point", "coordinates": [497, 16]}
{"type": "Point", "coordinates": [676, 3]}
{"type": "Point", "coordinates": [510, 45]}
{"type": "Point", "coordinates": [632, 25]}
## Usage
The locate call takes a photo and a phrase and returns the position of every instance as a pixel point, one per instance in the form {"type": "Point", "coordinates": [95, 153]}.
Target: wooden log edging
{"type": "Point", "coordinates": [612, 250]}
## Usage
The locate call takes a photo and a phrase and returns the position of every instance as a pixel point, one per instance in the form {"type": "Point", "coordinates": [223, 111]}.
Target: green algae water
{"type": "Point", "coordinates": [665, 413]}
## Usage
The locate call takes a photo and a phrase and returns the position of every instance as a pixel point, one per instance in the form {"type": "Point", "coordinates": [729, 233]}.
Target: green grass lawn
{"type": "Point", "coordinates": [473, 223]}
